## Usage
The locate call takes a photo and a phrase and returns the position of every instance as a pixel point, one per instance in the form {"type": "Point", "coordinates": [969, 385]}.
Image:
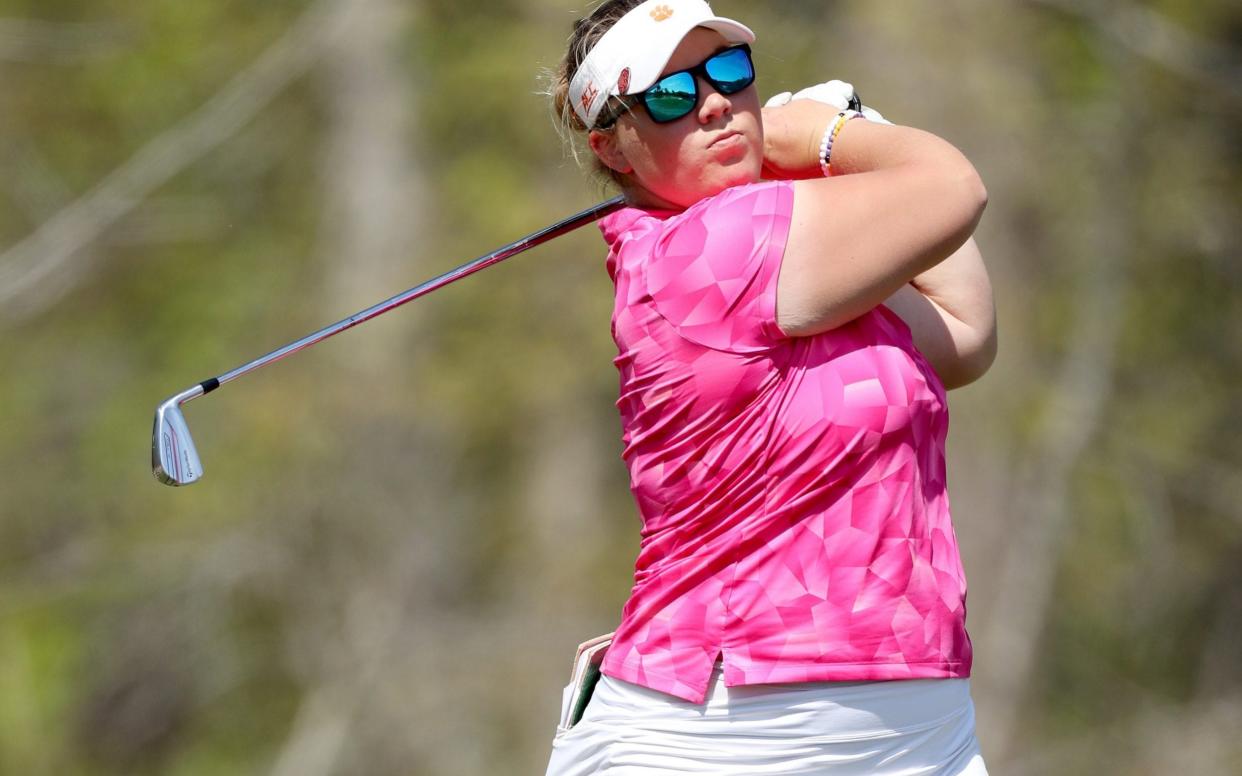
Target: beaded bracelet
{"type": "Point", "coordinates": [830, 137]}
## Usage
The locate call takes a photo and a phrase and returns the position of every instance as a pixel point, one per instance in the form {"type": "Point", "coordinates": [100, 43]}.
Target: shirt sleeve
{"type": "Point", "coordinates": [712, 274]}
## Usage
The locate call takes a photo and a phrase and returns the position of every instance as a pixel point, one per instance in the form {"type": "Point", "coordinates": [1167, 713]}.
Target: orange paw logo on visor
{"type": "Point", "coordinates": [662, 13]}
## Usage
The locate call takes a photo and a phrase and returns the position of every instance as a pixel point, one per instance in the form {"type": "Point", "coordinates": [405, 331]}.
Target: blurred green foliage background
{"type": "Point", "coordinates": [404, 532]}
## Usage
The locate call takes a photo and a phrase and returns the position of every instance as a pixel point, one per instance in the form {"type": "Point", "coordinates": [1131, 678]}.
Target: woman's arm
{"type": "Point", "coordinates": [903, 201]}
{"type": "Point", "coordinates": [950, 312]}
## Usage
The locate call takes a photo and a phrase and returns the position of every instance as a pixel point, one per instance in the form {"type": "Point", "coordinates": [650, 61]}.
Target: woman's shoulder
{"type": "Point", "coordinates": [749, 199]}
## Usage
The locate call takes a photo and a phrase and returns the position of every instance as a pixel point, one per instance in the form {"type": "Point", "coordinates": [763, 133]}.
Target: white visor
{"type": "Point", "coordinates": [631, 55]}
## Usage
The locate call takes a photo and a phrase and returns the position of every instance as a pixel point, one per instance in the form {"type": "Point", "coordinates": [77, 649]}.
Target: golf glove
{"type": "Point", "coordinates": [834, 93]}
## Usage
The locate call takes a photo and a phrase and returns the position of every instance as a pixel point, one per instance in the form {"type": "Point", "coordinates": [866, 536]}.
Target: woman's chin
{"type": "Point", "coordinates": [739, 174]}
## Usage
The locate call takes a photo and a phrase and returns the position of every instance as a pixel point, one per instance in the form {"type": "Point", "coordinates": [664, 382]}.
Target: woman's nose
{"type": "Point", "coordinates": [714, 104]}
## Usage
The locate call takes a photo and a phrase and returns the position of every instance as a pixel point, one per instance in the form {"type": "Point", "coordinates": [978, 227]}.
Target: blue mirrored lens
{"type": "Point", "coordinates": [731, 71]}
{"type": "Point", "coordinates": [672, 97]}
{"type": "Point", "coordinates": [676, 95]}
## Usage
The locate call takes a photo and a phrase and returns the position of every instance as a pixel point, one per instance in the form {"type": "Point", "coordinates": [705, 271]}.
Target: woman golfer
{"type": "Point", "coordinates": [795, 290]}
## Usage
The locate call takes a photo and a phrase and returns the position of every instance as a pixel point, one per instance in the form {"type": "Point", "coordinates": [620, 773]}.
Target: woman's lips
{"type": "Point", "coordinates": [726, 139]}
{"type": "Point", "coordinates": [729, 147]}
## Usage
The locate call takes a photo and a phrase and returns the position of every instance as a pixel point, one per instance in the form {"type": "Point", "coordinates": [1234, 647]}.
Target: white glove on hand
{"type": "Point", "coordinates": [834, 93]}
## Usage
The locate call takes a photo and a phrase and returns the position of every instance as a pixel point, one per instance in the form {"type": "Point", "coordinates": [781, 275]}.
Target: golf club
{"type": "Point", "coordinates": [174, 459]}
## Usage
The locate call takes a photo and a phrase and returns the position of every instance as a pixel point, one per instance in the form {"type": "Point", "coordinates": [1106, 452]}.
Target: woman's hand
{"type": "Point", "coordinates": [788, 163]}
{"type": "Point", "coordinates": [791, 136]}
{"type": "Point", "coordinates": [839, 94]}
{"type": "Point", "coordinates": [835, 93]}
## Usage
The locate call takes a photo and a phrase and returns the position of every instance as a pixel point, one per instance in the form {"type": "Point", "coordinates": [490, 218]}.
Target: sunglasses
{"type": "Point", "coordinates": [676, 94]}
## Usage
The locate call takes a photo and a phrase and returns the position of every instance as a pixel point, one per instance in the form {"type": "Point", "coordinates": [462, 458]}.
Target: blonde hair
{"type": "Point", "coordinates": [587, 33]}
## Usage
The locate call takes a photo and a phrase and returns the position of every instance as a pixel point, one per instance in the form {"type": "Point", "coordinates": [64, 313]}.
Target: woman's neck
{"type": "Point", "coordinates": [641, 198]}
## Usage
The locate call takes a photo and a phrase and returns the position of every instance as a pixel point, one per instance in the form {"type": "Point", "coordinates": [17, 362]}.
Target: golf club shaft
{"type": "Point", "coordinates": [465, 270]}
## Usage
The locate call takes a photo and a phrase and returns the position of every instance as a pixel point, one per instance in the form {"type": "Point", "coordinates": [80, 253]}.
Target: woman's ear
{"type": "Point", "coordinates": [604, 144]}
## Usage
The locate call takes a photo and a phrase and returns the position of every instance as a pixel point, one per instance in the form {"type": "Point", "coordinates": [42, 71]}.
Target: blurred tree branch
{"type": "Point", "coordinates": [1146, 32]}
{"type": "Point", "coordinates": [35, 187]}
{"type": "Point", "coordinates": [373, 188]}
{"type": "Point", "coordinates": [319, 732]}
{"type": "Point", "coordinates": [372, 191]}
{"type": "Point", "coordinates": [42, 267]}
{"type": "Point", "coordinates": [39, 193]}
{"type": "Point", "coordinates": [32, 40]}
{"type": "Point", "coordinates": [1080, 395]}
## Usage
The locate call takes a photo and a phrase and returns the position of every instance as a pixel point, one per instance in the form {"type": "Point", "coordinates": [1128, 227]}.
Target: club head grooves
{"type": "Point", "coordinates": [174, 460]}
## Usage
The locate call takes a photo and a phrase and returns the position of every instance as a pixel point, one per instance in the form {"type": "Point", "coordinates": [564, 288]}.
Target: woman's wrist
{"type": "Point", "coordinates": [830, 137]}
{"type": "Point", "coordinates": [792, 137]}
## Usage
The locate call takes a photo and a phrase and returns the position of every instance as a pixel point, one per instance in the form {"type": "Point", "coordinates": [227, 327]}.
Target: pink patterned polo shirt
{"type": "Point", "coordinates": [792, 490]}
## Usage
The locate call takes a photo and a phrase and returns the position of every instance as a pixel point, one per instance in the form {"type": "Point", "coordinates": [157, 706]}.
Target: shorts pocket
{"type": "Point", "coordinates": [586, 674]}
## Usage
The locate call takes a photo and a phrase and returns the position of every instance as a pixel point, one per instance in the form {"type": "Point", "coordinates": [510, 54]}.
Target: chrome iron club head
{"type": "Point", "coordinates": [174, 461]}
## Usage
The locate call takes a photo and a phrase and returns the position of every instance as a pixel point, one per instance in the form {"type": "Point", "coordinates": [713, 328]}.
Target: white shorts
{"type": "Point", "coordinates": [908, 727]}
